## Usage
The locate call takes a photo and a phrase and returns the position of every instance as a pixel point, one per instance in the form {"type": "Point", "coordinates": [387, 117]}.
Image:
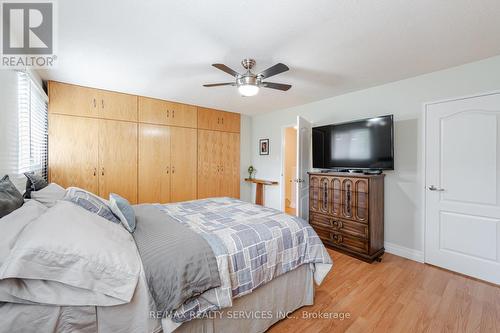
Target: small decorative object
{"type": "Point", "coordinates": [264, 146]}
{"type": "Point", "coordinates": [251, 170]}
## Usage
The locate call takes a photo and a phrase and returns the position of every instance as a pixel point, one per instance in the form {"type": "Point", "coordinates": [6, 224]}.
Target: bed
{"type": "Point", "coordinates": [211, 265]}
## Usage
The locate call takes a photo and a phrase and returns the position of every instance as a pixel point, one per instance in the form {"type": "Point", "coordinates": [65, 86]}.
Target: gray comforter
{"type": "Point", "coordinates": [179, 264]}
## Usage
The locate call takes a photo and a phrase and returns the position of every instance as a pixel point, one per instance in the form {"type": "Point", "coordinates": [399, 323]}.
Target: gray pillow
{"type": "Point", "coordinates": [10, 198]}
{"type": "Point", "coordinates": [49, 195]}
{"type": "Point", "coordinates": [122, 209]}
{"type": "Point", "coordinates": [34, 182]}
{"type": "Point", "coordinates": [90, 202]}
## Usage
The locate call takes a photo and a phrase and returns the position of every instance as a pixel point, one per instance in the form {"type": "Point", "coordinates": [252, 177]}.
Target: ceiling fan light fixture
{"type": "Point", "coordinates": [248, 90]}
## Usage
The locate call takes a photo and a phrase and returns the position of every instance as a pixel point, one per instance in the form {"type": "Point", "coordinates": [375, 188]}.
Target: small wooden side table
{"type": "Point", "coordinates": [259, 193]}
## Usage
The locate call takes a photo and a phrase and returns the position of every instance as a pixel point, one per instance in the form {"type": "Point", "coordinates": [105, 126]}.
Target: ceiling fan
{"type": "Point", "coordinates": [249, 83]}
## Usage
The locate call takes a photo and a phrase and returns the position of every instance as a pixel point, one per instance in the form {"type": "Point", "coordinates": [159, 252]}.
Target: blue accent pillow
{"type": "Point", "coordinates": [122, 208]}
{"type": "Point", "coordinates": [90, 202]}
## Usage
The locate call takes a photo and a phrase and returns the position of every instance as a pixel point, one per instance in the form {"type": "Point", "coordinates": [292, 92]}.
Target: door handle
{"type": "Point", "coordinates": [102, 103]}
{"type": "Point", "coordinates": [94, 103]}
{"type": "Point", "coordinates": [435, 188]}
{"type": "Point", "coordinates": [173, 113]}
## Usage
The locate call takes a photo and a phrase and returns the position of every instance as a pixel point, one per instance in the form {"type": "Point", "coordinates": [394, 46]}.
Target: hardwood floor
{"type": "Point", "coordinates": [397, 295]}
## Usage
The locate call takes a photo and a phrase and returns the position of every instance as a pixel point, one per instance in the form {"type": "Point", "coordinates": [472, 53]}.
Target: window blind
{"type": "Point", "coordinates": [33, 126]}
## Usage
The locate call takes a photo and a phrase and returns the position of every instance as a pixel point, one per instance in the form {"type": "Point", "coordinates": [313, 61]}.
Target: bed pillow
{"type": "Point", "coordinates": [77, 249]}
{"type": "Point", "coordinates": [49, 195]}
{"type": "Point", "coordinates": [90, 202]}
{"type": "Point", "coordinates": [12, 225]}
{"type": "Point", "coordinates": [10, 198]}
{"type": "Point", "coordinates": [123, 210]}
{"type": "Point", "coordinates": [34, 182]}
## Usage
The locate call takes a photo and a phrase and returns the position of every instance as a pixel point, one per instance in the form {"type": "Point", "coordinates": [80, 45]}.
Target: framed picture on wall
{"type": "Point", "coordinates": [264, 146]}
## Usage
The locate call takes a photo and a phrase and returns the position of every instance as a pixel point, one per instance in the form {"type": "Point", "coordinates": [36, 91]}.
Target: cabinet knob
{"type": "Point", "coordinates": [173, 169]}
{"type": "Point", "coordinates": [173, 113]}
{"type": "Point", "coordinates": [168, 170]}
{"type": "Point", "coordinates": [102, 171]}
{"type": "Point", "coordinates": [102, 103]}
{"type": "Point", "coordinates": [168, 113]}
{"type": "Point", "coordinates": [222, 120]}
{"type": "Point", "coordinates": [94, 103]}
{"type": "Point", "coordinates": [95, 172]}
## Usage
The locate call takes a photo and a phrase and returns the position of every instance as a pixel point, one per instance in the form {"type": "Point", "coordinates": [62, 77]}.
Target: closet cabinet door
{"type": "Point", "coordinates": [118, 159]}
{"type": "Point", "coordinates": [154, 164]}
{"type": "Point", "coordinates": [230, 165]}
{"type": "Point", "coordinates": [156, 111]}
{"type": "Point", "coordinates": [209, 157]}
{"type": "Point", "coordinates": [231, 122]}
{"type": "Point", "coordinates": [117, 106]}
{"type": "Point", "coordinates": [73, 151]}
{"type": "Point", "coordinates": [184, 163]}
{"type": "Point", "coordinates": [73, 100]}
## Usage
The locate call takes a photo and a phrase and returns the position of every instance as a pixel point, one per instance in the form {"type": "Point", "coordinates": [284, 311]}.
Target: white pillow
{"type": "Point", "coordinates": [12, 224]}
{"type": "Point", "coordinates": [72, 246]}
{"type": "Point", "coordinates": [49, 195]}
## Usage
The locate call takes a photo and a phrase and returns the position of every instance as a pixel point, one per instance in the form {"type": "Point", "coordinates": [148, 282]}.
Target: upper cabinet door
{"type": "Point", "coordinates": [73, 100]}
{"type": "Point", "coordinates": [73, 151]}
{"type": "Point", "coordinates": [154, 164]}
{"type": "Point", "coordinates": [184, 161]}
{"type": "Point", "coordinates": [117, 106]}
{"type": "Point", "coordinates": [212, 119]}
{"type": "Point", "coordinates": [118, 159]}
{"type": "Point", "coordinates": [156, 111]}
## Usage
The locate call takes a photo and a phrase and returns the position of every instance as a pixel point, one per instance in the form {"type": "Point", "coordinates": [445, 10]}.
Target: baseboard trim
{"type": "Point", "coordinates": [404, 252]}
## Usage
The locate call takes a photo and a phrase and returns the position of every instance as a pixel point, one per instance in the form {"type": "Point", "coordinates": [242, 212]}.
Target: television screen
{"type": "Point", "coordinates": [362, 144]}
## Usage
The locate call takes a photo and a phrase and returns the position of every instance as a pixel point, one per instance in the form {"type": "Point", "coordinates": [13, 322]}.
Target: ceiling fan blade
{"type": "Point", "coordinates": [278, 86]}
{"type": "Point", "coordinates": [226, 69]}
{"type": "Point", "coordinates": [273, 70]}
{"type": "Point", "coordinates": [219, 84]}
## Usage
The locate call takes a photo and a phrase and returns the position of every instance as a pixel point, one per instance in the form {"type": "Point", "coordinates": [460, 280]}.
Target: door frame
{"type": "Point", "coordinates": [282, 175]}
{"type": "Point", "coordinates": [425, 105]}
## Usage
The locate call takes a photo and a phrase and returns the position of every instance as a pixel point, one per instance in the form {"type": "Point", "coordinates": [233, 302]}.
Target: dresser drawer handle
{"type": "Point", "coordinates": [337, 224]}
{"type": "Point", "coordinates": [337, 238]}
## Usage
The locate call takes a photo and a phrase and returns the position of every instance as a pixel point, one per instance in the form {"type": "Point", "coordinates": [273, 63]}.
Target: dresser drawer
{"type": "Point", "coordinates": [343, 240]}
{"type": "Point", "coordinates": [350, 243]}
{"type": "Point", "coordinates": [343, 226]}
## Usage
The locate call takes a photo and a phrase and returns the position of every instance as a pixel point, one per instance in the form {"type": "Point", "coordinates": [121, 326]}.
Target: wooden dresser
{"type": "Point", "coordinates": [347, 212]}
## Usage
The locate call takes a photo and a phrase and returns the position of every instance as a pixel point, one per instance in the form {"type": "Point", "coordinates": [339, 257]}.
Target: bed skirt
{"type": "Point", "coordinates": [258, 311]}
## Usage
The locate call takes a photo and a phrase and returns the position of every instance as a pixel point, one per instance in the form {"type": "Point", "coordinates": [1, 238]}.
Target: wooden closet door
{"type": "Point", "coordinates": [184, 160]}
{"type": "Point", "coordinates": [230, 165]}
{"type": "Point", "coordinates": [73, 100]}
{"type": "Point", "coordinates": [117, 106]}
{"type": "Point", "coordinates": [118, 159]}
{"type": "Point", "coordinates": [209, 157]}
{"type": "Point", "coordinates": [154, 164]}
{"type": "Point", "coordinates": [73, 151]}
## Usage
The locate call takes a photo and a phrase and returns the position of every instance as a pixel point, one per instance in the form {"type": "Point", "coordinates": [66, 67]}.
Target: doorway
{"type": "Point", "coordinates": [289, 198]}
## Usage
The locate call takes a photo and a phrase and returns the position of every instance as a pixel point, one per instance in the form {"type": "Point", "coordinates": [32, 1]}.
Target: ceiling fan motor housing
{"type": "Point", "coordinates": [248, 63]}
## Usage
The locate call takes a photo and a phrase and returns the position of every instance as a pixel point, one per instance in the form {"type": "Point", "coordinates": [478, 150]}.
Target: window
{"type": "Point", "coordinates": [33, 135]}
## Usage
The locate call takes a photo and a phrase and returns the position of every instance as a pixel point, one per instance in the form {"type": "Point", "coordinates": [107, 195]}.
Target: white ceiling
{"type": "Point", "coordinates": [164, 48]}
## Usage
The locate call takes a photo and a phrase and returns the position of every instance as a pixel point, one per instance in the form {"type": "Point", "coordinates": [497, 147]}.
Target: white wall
{"type": "Point", "coordinates": [404, 99]}
{"type": "Point", "coordinates": [245, 157]}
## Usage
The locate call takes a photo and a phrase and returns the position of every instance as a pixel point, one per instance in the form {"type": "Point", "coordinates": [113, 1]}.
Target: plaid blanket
{"type": "Point", "coordinates": [252, 245]}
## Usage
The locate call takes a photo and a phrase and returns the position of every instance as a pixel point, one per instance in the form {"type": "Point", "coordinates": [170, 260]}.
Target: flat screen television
{"type": "Point", "coordinates": [362, 144]}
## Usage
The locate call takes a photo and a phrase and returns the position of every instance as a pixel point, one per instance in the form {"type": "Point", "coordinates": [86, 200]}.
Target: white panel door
{"type": "Point", "coordinates": [462, 186]}
{"type": "Point", "coordinates": [304, 164]}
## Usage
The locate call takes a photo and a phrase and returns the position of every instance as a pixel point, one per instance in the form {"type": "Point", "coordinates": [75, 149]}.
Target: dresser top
{"type": "Point", "coordinates": [346, 174]}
